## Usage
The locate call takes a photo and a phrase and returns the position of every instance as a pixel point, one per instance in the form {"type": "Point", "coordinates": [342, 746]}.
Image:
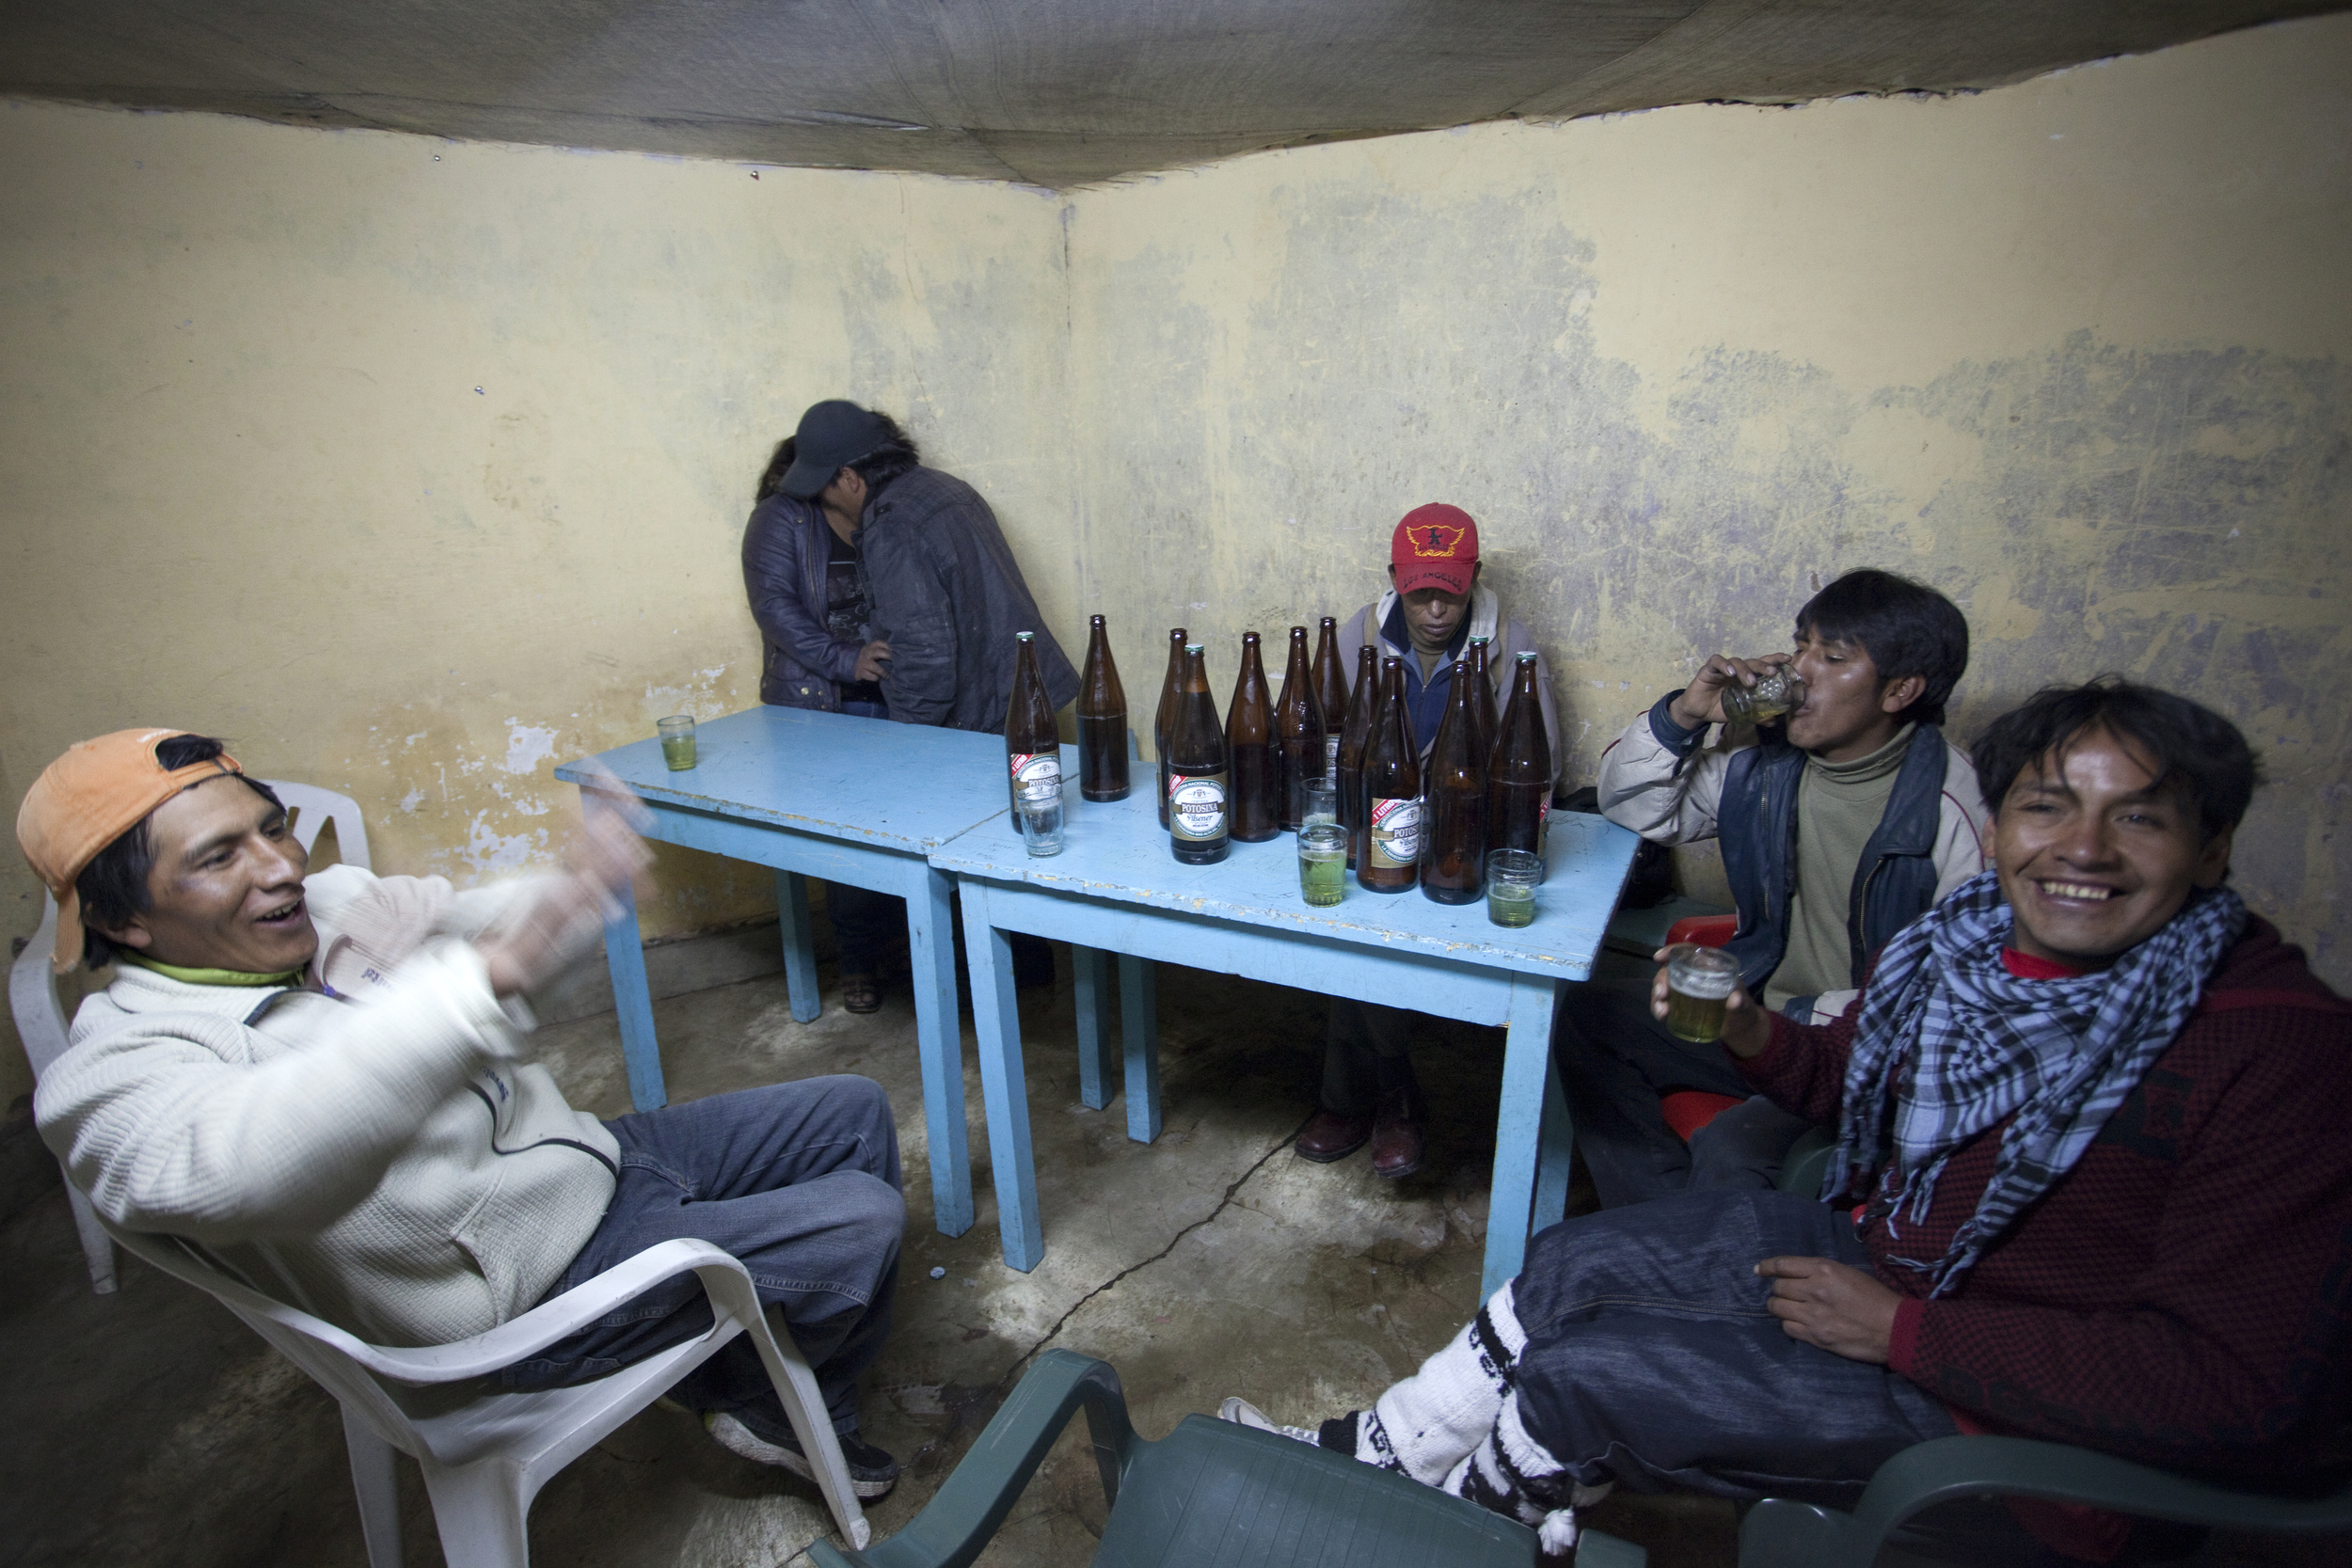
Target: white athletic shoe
{"type": "Point", "coordinates": [1242, 1413]}
{"type": "Point", "coordinates": [873, 1472]}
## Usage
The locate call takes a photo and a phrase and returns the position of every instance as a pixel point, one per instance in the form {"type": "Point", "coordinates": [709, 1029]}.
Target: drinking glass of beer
{"type": "Point", "coordinates": [1510, 878]}
{"type": "Point", "coordinates": [1699, 983]}
{"type": "Point", "coordinates": [1322, 863]}
{"type": "Point", "coordinates": [678, 741]}
{"type": "Point", "coordinates": [1776, 694]}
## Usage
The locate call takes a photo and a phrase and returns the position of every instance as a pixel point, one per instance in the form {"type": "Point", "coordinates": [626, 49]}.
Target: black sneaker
{"type": "Point", "coordinates": [873, 1472]}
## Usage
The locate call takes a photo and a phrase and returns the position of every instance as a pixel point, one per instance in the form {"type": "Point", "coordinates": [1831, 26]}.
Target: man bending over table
{"type": "Point", "coordinates": [323, 1086]}
{"type": "Point", "coordinates": [2090, 1108]}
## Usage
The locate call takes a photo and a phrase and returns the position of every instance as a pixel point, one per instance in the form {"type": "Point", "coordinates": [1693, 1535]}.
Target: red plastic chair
{"type": "Point", "coordinates": [1688, 1110]}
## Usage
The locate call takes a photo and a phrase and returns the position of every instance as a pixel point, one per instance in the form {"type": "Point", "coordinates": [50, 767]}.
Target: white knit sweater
{"type": "Point", "coordinates": [383, 1158]}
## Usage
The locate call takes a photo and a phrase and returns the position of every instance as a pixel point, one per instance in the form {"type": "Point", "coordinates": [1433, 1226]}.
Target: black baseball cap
{"type": "Point", "coordinates": [832, 435]}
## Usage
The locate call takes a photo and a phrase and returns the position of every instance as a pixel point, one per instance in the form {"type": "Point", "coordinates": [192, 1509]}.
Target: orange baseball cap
{"type": "Point", "coordinates": [1434, 546]}
{"type": "Point", "coordinates": [86, 799]}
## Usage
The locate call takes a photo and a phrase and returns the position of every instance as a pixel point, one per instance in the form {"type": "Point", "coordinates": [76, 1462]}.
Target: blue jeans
{"type": "Point", "coordinates": [1615, 1060]}
{"type": "Point", "coordinates": [1651, 1359]}
{"type": "Point", "coordinates": [800, 1182]}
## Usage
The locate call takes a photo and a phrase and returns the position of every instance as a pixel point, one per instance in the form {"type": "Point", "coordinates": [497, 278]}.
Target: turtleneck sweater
{"type": "Point", "coordinates": [1839, 807]}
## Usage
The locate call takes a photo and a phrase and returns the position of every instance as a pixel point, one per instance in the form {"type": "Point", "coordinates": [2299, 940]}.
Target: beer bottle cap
{"type": "Point", "coordinates": [1526, 657]}
{"type": "Point", "coordinates": [1024, 635]}
{"type": "Point", "coordinates": [1193, 647]}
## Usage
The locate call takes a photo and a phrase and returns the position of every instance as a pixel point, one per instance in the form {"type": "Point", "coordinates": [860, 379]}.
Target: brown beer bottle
{"type": "Point", "coordinates": [1331, 692]}
{"type": "Point", "coordinates": [1388, 851]}
{"type": "Point", "coordinates": [1101, 722]}
{"type": "Point", "coordinates": [1297, 734]}
{"type": "Point", "coordinates": [1519, 770]}
{"type": "Point", "coordinates": [1032, 741]}
{"type": "Point", "coordinates": [1453, 819]}
{"type": "Point", "coordinates": [1257, 812]}
{"type": "Point", "coordinates": [1163, 721]}
{"type": "Point", "coordinates": [1482, 701]}
{"type": "Point", "coordinates": [1353, 734]}
{"type": "Point", "coordinates": [1198, 826]}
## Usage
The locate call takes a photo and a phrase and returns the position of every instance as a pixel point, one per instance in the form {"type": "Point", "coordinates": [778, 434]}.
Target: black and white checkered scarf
{"type": "Point", "coordinates": [1949, 1042]}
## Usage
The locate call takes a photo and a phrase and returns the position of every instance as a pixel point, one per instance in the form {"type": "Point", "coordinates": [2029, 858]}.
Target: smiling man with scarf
{"type": "Point", "coordinates": [2091, 1186]}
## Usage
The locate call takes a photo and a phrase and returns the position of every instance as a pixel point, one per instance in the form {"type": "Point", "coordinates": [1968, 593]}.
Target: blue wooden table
{"type": "Point", "coordinates": [1116, 888]}
{"type": "Point", "coordinates": [862, 801]}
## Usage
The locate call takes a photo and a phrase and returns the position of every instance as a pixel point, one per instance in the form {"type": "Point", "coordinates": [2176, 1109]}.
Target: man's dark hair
{"type": "Point", "coordinates": [2198, 755]}
{"type": "Point", "coordinates": [1906, 628]}
{"type": "Point", "coordinates": [113, 886]}
{"type": "Point", "coordinates": [895, 456]}
{"type": "Point", "coordinates": [772, 479]}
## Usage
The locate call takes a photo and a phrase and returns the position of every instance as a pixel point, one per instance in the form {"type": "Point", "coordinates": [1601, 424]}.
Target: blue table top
{"type": "Point", "coordinates": [1118, 853]}
{"type": "Point", "coordinates": [899, 786]}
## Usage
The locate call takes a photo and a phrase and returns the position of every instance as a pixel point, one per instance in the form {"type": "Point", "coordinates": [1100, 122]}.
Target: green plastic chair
{"type": "Point", "coordinates": [1208, 1492]}
{"type": "Point", "coordinates": [1778, 1533]}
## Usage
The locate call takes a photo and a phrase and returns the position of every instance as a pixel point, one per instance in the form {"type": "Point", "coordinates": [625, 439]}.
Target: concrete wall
{"type": "Point", "coordinates": [2073, 351]}
{"type": "Point", "coordinates": [415, 468]}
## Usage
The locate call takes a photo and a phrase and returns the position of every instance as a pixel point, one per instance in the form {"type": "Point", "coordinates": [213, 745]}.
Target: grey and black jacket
{"type": "Point", "coordinates": [786, 547]}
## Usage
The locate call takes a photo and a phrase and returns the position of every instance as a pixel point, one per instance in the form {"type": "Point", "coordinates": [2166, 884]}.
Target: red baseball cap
{"type": "Point", "coordinates": [1434, 546]}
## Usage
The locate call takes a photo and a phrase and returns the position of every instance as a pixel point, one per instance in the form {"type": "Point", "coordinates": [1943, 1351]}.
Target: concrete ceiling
{"type": "Point", "coordinates": [1051, 92]}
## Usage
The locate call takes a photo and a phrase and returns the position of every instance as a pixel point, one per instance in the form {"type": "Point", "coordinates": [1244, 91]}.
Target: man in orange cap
{"type": "Point", "coordinates": [1434, 609]}
{"type": "Point", "coordinates": [325, 1083]}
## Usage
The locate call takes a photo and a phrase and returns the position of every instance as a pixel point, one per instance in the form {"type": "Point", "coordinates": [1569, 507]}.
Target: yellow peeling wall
{"type": "Point", "coordinates": [416, 468]}
{"type": "Point", "coordinates": [2073, 351]}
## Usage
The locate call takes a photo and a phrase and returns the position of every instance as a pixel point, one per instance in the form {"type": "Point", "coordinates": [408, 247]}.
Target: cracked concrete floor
{"type": "Point", "coordinates": [151, 1426]}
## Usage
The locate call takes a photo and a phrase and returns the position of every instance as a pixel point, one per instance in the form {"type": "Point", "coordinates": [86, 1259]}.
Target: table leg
{"type": "Point", "coordinates": [1090, 969]}
{"type": "Point", "coordinates": [1140, 1036]}
{"type": "Point", "coordinates": [1003, 1087]}
{"type": "Point", "coordinates": [1529, 1084]}
{"type": "Point", "coordinates": [632, 1003]}
{"type": "Point", "coordinates": [939, 1043]}
{"type": "Point", "coordinates": [799, 945]}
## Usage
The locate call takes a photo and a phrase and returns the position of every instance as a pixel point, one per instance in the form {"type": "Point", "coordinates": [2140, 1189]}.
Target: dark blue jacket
{"type": "Point", "coordinates": [786, 547]}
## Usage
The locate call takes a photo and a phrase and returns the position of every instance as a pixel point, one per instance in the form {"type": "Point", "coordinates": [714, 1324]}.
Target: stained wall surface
{"type": "Point", "coordinates": [415, 468]}
{"type": "Point", "coordinates": [2073, 351]}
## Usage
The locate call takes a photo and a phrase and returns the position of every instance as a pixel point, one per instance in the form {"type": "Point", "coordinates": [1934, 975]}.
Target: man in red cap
{"type": "Point", "coordinates": [323, 1084]}
{"type": "Point", "coordinates": [1433, 611]}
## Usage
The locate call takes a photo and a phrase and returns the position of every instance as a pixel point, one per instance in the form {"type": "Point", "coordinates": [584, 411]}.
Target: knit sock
{"type": "Point", "coordinates": [1426, 1425]}
{"type": "Point", "coordinates": [1511, 1474]}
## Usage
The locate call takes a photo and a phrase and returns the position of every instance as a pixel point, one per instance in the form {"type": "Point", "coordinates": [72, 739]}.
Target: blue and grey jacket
{"type": "Point", "coordinates": [1667, 784]}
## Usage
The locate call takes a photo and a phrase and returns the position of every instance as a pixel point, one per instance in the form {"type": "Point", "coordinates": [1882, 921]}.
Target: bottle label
{"type": "Point", "coordinates": [1395, 832]}
{"type": "Point", "coordinates": [1196, 807]}
{"type": "Point", "coordinates": [1037, 777]}
{"type": "Point", "coordinates": [1543, 823]}
{"type": "Point", "coordinates": [1331, 757]}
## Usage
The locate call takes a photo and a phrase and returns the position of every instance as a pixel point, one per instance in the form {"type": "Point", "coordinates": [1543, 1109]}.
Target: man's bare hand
{"type": "Point", "coordinates": [560, 917]}
{"type": "Point", "coordinates": [873, 662]}
{"type": "Point", "coordinates": [1832, 1305]}
{"type": "Point", "coordinates": [1746, 1029]}
{"type": "Point", "coordinates": [1702, 701]}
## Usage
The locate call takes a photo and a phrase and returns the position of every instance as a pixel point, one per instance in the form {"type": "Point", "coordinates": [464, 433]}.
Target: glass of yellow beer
{"type": "Point", "coordinates": [1776, 694]}
{"type": "Point", "coordinates": [1699, 983]}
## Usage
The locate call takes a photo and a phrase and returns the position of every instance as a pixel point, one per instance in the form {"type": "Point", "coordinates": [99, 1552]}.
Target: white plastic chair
{"type": "Point", "coordinates": [484, 1460]}
{"type": "Point", "coordinates": [41, 1022]}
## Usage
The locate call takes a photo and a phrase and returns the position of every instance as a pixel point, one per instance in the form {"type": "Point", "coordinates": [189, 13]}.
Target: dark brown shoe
{"type": "Point", "coordinates": [1332, 1136]}
{"type": "Point", "coordinates": [1396, 1140]}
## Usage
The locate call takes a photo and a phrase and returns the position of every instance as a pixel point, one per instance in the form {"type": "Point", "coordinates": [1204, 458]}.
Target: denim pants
{"type": "Point", "coordinates": [1651, 1359]}
{"type": "Point", "coordinates": [800, 1182]}
{"type": "Point", "coordinates": [1615, 1060]}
